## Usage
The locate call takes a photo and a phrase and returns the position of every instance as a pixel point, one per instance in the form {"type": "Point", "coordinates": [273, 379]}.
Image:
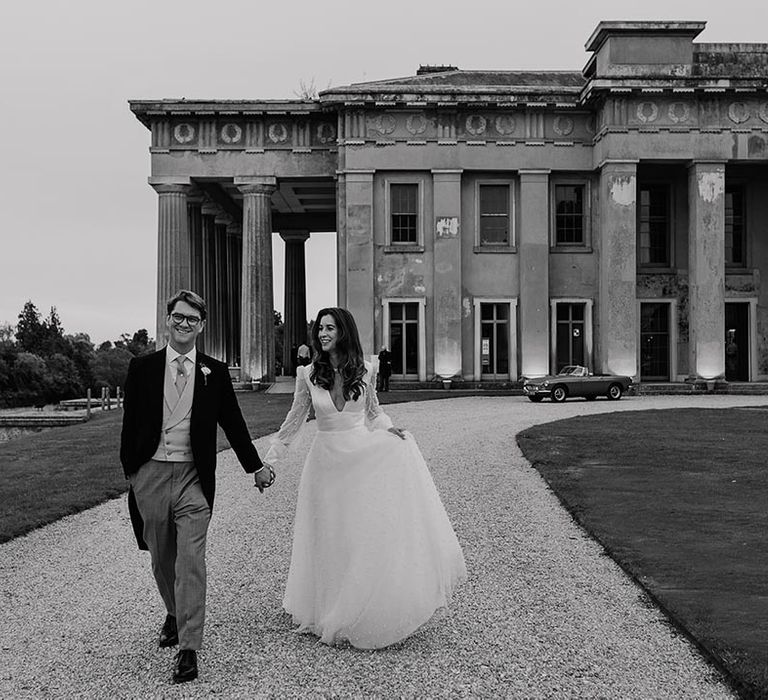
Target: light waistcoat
{"type": "Point", "coordinates": [175, 443]}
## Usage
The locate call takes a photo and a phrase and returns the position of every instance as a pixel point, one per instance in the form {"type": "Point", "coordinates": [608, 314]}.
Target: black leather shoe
{"type": "Point", "coordinates": [185, 668]}
{"type": "Point", "coordinates": [169, 636]}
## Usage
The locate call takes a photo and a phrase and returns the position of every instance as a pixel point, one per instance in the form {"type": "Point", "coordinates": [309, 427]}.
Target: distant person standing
{"type": "Point", "coordinates": [731, 355]}
{"type": "Point", "coordinates": [294, 358]}
{"type": "Point", "coordinates": [303, 355]}
{"type": "Point", "coordinates": [385, 368]}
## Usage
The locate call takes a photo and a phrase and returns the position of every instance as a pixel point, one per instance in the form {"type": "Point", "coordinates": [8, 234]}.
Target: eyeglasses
{"type": "Point", "coordinates": [178, 319]}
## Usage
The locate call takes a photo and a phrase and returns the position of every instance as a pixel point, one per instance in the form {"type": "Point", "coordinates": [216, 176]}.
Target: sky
{"type": "Point", "coordinates": [78, 221]}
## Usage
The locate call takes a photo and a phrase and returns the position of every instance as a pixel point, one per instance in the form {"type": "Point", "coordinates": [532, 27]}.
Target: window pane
{"type": "Point", "coordinates": [404, 210]}
{"type": "Point", "coordinates": [734, 227]}
{"type": "Point", "coordinates": [494, 214]}
{"type": "Point", "coordinates": [569, 214]}
{"type": "Point", "coordinates": [654, 230]}
{"type": "Point", "coordinates": [411, 311]}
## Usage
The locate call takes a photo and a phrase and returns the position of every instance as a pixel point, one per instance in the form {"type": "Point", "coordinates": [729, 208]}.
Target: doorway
{"type": "Point", "coordinates": [736, 338]}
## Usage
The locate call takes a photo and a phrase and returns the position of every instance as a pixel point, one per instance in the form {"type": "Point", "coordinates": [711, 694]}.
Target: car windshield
{"type": "Point", "coordinates": [571, 371]}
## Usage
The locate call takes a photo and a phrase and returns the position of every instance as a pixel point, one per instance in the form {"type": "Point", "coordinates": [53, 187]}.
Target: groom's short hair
{"type": "Point", "coordinates": [194, 300]}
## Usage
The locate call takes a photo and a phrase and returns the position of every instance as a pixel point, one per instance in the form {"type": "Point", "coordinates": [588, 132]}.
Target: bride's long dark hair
{"type": "Point", "coordinates": [349, 352]}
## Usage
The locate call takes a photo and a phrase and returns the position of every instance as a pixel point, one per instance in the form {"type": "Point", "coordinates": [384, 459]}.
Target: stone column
{"type": "Point", "coordinates": [208, 236]}
{"type": "Point", "coordinates": [257, 346]}
{"type": "Point", "coordinates": [617, 304]}
{"type": "Point", "coordinates": [173, 249]}
{"type": "Point", "coordinates": [341, 239]}
{"type": "Point", "coordinates": [533, 254]}
{"type": "Point", "coordinates": [295, 293]}
{"type": "Point", "coordinates": [706, 270]}
{"type": "Point", "coordinates": [218, 304]}
{"type": "Point", "coordinates": [232, 303]}
{"type": "Point", "coordinates": [447, 272]}
{"type": "Point", "coordinates": [195, 224]}
{"type": "Point", "coordinates": [358, 253]}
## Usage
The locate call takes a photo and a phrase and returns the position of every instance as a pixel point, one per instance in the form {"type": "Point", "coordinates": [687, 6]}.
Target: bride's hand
{"type": "Point", "coordinates": [397, 431]}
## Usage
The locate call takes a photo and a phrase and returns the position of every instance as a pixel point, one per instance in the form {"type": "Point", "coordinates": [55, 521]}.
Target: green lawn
{"type": "Point", "coordinates": [59, 471]}
{"type": "Point", "coordinates": [679, 498]}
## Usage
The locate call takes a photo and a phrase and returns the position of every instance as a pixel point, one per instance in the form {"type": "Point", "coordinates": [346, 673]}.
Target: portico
{"type": "Point", "coordinates": [490, 224]}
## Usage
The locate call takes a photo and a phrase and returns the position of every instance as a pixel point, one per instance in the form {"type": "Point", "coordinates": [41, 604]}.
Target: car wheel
{"type": "Point", "coordinates": [535, 399]}
{"type": "Point", "coordinates": [559, 394]}
{"type": "Point", "coordinates": [615, 392]}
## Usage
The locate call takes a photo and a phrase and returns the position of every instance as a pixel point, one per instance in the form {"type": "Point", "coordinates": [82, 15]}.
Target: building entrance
{"type": "Point", "coordinates": [737, 341]}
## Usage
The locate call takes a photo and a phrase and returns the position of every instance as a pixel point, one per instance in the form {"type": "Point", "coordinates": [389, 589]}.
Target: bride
{"type": "Point", "coordinates": [374, 555]}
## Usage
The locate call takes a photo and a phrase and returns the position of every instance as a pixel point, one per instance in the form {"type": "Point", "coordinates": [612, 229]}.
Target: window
{"type": "Point", "coordinates": [655, 342]}
{"type": "Point", "coordinates": [404, 338]}
{"type": "Point", "coordinates": [493, 205]}
{"type": "Point", "coordinates": [570, 335]}
{"type": "Point", "coordinates": [494, 340]}
{"type": "Point", "coordinates": [654, 226]}
{"type": "Point", "coordinates": [735, 238]}
{"type": "Point", "coordinates": [404, 213]}
{"type": "Point", "coordinates": [570, 211]}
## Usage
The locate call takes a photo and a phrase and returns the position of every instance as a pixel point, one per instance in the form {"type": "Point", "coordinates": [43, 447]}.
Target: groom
{"type": "Point", "coordinates": [174, 399]}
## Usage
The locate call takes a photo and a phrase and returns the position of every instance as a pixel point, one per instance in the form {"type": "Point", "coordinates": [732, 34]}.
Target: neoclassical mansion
{"type": "Point", "coordinates": [490, 224]}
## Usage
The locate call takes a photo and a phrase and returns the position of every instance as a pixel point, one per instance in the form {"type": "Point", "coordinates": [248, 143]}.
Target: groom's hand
{"type": "Point", "coordinates": [264, 478]}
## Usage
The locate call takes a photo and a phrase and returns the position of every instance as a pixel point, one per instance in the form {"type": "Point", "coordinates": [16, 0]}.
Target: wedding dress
{"type": "Point", "coordinates": [374, 554]}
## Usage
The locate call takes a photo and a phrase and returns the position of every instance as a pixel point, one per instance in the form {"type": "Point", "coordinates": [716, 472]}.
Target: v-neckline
{"type": "Point", "coordinates": [330, 395]}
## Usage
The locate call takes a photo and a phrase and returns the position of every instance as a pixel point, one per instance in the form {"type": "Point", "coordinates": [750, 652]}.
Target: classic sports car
{"type": "Point", "coordinates": [575, 380]}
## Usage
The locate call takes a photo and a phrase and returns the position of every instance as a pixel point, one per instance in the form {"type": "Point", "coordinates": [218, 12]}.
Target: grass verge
{"type": "Point", "coordinates": [678, 498]}
{"type": "Point", "coordinates": [56, 472]}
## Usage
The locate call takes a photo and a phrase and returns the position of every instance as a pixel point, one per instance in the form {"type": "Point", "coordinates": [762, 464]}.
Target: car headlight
{"type": "Point", "coordinates": [545, 383]}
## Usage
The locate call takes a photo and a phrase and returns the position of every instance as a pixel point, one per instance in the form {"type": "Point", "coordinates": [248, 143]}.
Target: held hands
{"type": "Point", "coordinates": [264, 477]}
{"type": "Point", "coordinates": [397, 431]}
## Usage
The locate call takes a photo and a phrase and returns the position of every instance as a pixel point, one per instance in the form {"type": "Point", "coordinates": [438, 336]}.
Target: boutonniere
{"type": "Point", "coordinates": [206, 371]}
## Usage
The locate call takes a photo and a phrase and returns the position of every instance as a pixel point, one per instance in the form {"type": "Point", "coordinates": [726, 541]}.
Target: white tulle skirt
{"type": "Point", "coordinates": [374, 554]}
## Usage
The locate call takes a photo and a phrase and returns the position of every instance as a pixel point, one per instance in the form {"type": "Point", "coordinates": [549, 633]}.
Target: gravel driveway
{"type": "Point", "coordinates": [545, 613]}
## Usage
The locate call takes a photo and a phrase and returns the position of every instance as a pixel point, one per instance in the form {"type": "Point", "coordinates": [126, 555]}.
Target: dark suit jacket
{"type": "Point", "coordinates": [213, 403]}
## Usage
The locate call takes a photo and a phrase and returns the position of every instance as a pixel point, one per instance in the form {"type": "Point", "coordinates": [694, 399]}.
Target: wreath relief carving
{"type": "Point", "coordinates": [184, 133]}
{"type": "Point", "coordinates": [738, 112]}
{"type": "Point", "coordinates": [476, 124]}
{"type": "Point", "coordinates": [563, 126]}
{"type": "Point", "coordinates": [278, 133]}
{"type": "Point", "coordinates": [505, 124]}
{"type": "Point", "coordinates": [647, 112]}
{"type": "Point", "coordinates": [231, 133]}
{"type": "Point", "coordinates": [326, 132]}
{"type": "Point", "coordinates": [416, 124]}
{"type": "Point", "coordinates": [763, 112]}
{"type": "Point", "coordinates": [679, 112]}
{"type": "Point", "coordinates": [384, 123]}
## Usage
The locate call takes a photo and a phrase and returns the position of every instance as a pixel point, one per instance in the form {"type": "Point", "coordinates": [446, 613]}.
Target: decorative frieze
{"type": "Point", "coordinates": [251, 135]}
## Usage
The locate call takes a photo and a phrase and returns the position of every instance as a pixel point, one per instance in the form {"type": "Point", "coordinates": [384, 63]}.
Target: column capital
{"type": "Point", "coordinates": [705, 162]}
{"type": "Point", "coordinates": [234, 228]}
{"type": "Point", "coordinates": [295, 236]}
{"type": "Point", "coordinates": [222, 218]}
{"type": "Point", "coordinates": [264, 185]}
{"type": "Point", "coordinates": [618, 164]}
{"type": "Point", "coordinates": [171, 188]}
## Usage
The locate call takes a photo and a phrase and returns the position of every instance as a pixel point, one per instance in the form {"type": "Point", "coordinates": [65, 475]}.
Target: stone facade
{"type": "Point", "coordinates": [492, 224]}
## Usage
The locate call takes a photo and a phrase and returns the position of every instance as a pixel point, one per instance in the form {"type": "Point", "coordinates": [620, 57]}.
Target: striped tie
{"type": "Point", "coordinates": [181, 376]}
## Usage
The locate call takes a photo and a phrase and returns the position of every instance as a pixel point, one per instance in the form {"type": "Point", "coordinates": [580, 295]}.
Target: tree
{"type": "Point", "coordinates": [62, 379]}
{"type": "Point", "coordinates": [138, 344]}
{"type": "Point", "coordinates": [30, 331]}
{"type": "Point", "coordinates": [110, 366]}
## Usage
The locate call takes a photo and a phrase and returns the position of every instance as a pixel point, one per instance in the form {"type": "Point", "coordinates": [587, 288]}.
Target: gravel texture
{"type": "Point", "coordinates": [545, 613]}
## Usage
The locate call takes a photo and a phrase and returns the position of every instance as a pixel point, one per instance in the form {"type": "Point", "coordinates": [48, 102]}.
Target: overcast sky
{"type": "Point", "coordinates": [79, 222]}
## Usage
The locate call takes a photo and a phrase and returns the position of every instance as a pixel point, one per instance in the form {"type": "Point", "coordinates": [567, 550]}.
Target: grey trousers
{"type": "Point", "coordinates": [176, 517]}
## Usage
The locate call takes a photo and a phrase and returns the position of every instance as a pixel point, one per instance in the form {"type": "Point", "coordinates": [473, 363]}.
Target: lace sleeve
{"type": "Point", "coordinates": [297, 416]}
{"type": "Point", "coordinates": [374, 414]}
